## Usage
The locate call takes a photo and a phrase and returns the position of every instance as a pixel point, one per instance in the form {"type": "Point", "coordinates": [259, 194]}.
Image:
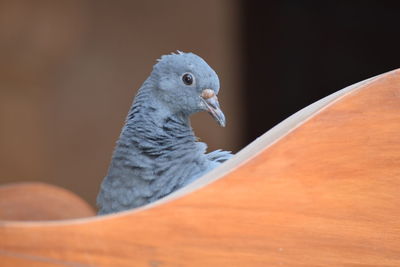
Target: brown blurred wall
{"type": "Point", "coordinates": [69, 71]}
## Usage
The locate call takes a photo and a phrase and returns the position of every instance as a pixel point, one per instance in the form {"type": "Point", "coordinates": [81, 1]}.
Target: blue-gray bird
{"type": "Point", "coordinates": [157, 151]}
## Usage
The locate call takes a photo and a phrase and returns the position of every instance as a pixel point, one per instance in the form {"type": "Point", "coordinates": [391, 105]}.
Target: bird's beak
{"type": "Point", "coordinates": [210, 100]}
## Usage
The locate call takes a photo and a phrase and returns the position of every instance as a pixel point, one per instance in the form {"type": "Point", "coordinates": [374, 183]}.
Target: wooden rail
{"type": "Point", "coordinates": [320, 189]}
{"type": "Point", "coordinates": [36, 201]}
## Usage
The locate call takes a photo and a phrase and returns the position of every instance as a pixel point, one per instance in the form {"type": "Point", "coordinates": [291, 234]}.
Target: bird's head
{"type": "Point", "coordinates": [187, 84]}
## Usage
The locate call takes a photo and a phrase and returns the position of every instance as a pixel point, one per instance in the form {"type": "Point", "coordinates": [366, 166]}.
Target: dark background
{"type": "Point", "coordinates": [69, 71]}
{"type": "Point", "coordinates": [296, 52]}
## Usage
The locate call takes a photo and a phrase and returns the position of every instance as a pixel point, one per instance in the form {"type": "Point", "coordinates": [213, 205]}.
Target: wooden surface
{"type": "Point", "coordinates": [38, 201]}
{"type": "Point", "coordinates": [326, 192]}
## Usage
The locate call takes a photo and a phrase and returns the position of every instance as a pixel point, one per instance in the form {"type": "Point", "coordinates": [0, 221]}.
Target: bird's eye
{"type": "Point", "coordinates": [187, 79]}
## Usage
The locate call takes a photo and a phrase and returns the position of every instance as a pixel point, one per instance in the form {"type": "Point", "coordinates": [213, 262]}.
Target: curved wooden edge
{"type": "Point", "coordinates": [246, 154]}
{"type": "Point", "coordinates": [269, 138]}
{"type": "Point", "coordinates": [34, 201]}
{"type": "Point", "coordinates": [318, 190]}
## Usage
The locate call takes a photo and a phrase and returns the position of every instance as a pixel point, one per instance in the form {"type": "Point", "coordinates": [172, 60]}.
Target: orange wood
{"type": "Point", "coordinates": [38, 201]}
{"type": "Point", "coordinates": [325, 194]}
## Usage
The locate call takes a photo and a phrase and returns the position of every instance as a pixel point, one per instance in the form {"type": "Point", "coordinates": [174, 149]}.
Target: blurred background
{"type": "Point", "coordinates": [70, 69]}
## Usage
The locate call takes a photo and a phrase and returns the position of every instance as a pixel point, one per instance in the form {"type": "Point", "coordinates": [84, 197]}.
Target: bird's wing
{"type": "Point", "coordinates": [219, 155]}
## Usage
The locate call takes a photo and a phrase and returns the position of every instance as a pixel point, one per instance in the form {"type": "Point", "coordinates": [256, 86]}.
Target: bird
{"type": "Point", "coordinates": [157, 151]}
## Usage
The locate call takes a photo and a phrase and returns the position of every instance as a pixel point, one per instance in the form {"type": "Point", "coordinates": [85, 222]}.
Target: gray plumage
{"type": "Point", "coordinates": [157, 151]}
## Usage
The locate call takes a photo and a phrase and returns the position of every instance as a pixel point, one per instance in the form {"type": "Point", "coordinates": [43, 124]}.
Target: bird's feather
{"type": "Point", "coordinates": [157, 151]}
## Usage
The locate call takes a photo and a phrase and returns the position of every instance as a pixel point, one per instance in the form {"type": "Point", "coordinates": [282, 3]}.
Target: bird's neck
{"type": "Point", "coordinates": [149, 111]}
{"type": "Point", "coordinates": [152, 128]}
{"type": "Point", "coordinates": [156, 154]}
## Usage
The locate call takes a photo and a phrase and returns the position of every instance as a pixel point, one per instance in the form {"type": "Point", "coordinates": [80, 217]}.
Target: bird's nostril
{"type": "Point", "coordinates": [207, 93]}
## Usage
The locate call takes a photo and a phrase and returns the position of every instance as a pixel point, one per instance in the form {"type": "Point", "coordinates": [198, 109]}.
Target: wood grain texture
{"type": "Point", "coordinates": [326, 193]}
{"type": "Point", "coordinates": [39, 201]}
